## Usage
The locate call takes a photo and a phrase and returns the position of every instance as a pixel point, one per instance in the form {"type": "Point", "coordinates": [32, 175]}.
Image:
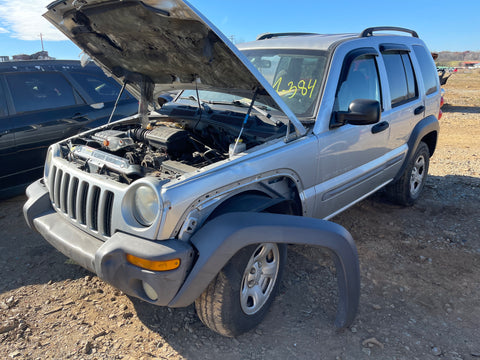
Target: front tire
{"type": "Point", "coordinates": [406, 190]}
{"type": "Point", "coordinates": [240, 296]}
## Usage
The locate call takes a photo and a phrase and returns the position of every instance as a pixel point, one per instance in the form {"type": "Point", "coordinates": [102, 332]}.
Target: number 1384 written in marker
{"type": "Point", "coordinates": [301, 87]}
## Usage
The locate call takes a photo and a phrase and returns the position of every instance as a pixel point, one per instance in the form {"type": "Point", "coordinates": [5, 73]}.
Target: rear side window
{"type": "Point", "coordinates": [99, 88]}
{"type": "Point", "coordinates": [401, 78]}
{"type": "Point", "coordinates": [39, 91]}
{"type": "Point", "coordinates": [427, 67]}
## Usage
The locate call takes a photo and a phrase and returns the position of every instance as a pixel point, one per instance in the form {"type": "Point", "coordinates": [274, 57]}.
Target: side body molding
{"type": "Point", "coordinates": [222, 237]}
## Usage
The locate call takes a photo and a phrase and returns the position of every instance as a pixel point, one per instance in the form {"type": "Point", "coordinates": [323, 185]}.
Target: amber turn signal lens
{"type": "Point", "coordinates": [165, 265]}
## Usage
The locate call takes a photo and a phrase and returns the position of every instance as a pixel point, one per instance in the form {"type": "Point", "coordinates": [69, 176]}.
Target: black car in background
{"type": "Point", "coordinates": [42, 102]}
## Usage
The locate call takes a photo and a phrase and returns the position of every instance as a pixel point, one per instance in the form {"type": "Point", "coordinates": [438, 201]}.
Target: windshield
{"type": "Point", "coordinates": [296, 75]}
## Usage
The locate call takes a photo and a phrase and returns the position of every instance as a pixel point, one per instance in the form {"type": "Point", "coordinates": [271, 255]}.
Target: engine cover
{"type": "Point", "coordinates": [175, 140]}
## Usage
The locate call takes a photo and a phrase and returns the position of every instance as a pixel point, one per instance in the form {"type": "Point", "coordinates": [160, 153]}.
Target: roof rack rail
{"type": "Point", "coordinates": [274, 35]}
{"type": "Point", "coordinates": [369, 31]}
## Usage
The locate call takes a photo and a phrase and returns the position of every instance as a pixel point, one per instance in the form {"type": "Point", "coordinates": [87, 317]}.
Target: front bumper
{"type": "Point", "coordinates": [108, 259]}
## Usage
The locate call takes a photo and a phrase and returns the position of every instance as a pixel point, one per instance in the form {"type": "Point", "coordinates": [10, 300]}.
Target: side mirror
{"type": "Point", "coordinates": [163, 99]}
{"type": "Point", "coordinates": [97, 106]}
{"type": "Point", "coordinates": [360, 112]}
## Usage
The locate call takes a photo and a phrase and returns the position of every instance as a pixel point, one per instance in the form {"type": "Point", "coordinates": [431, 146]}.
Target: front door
{"type": "Point", "coordinates": [352, 157]}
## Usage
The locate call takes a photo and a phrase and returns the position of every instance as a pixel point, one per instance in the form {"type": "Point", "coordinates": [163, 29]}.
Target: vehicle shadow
{"type": "Point", "coordinates": [447, 108]}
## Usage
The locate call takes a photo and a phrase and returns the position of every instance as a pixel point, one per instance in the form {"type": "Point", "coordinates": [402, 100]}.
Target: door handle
{"type": "Point", "coordinates": [380, 127]}
{"type": "Point", "coordinates": [419, 110]}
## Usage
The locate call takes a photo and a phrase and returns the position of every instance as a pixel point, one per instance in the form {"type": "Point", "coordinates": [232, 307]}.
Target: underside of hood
{"type": "Point", "coordinates": [167, 43]}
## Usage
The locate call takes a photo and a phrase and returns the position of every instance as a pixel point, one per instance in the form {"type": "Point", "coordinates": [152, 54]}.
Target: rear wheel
{"type": "Point", "coordinates": [407, 189]}
{"type": "Point", "coordinates": [239, 297]}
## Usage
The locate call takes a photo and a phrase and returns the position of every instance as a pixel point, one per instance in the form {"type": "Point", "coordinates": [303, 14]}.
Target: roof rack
{"type": "Point", "coordinates": [369, 31]}
{"type": "Point", "coordinates": [274, 35]}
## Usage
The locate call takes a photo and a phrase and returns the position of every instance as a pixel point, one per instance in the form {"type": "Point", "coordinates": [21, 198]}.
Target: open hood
{"type": "Point", "coordinates": [165, 43]}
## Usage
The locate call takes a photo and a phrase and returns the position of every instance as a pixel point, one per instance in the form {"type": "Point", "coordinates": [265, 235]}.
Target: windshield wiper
{"type": "Point", "coordinates": [191, 97]}
{"type": "Point", "coordinates": [261, 109]}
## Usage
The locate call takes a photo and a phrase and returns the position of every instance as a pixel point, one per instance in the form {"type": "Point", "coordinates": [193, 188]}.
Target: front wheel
{"type": "Point", "coordinates": [407, 189]}
{"type": "Point", "coordinates": [239, 297]}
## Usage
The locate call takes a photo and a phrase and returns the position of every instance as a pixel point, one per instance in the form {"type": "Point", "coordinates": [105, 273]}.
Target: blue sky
{"type": "Point", "coordinates": [440, 23]}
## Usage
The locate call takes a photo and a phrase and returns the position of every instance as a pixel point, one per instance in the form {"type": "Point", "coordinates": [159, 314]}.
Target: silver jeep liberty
{"type": "Point", "coordinates": [195, 200]}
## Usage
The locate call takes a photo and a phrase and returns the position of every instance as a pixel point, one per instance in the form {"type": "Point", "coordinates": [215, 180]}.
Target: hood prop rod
{"type": "Point", "coordinates": [116, 102]}
{"type": "Point", "coordinates": [247, 115]}
{"type": "Point", "coordinates": [146, 97]}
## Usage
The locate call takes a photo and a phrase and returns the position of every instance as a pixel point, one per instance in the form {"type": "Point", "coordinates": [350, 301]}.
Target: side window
{"type": "Point", "coordinates": [3, 102]}
{"type": "Point", "coordinates": [401, 78]}
{"type": "Point", "coordinates": [361, 82]}
{"type": "Point", "coordinates": [427, 67]}
{"type": "Point", "coordinates": [39, 91]}
{"type": "Point", "coordinates": [99, 88]}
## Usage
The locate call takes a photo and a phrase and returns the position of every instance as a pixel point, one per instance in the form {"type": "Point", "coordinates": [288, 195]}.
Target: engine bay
{"type": "Point", "coordinates": [178, 140]}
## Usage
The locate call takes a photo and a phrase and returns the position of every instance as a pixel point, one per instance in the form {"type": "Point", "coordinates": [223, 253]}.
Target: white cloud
{"type": "Point", "coordinates": [3, 31]}
{"type": "Point", "coordinates": [24, 20]}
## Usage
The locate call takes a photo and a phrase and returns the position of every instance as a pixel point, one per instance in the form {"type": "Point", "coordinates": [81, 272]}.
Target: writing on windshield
{"type": "Point", "coordinates": [301, 87]}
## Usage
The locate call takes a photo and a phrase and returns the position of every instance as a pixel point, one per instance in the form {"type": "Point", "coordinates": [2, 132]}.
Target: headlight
{"type": "Point", "coordinates": [48, 162]}
{"type": "Point", "coordinates": [146, 205]}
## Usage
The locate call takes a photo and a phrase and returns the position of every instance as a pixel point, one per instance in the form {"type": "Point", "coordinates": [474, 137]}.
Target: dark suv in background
{"type": "Point", "coordinates": [42, 102]}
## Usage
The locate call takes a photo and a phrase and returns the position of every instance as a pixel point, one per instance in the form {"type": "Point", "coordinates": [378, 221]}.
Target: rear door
{"type": "Point", "coordinates": [403, 104]}
{"type": "Point", "coordinates": [431, 83]}
{"type": "Point", "coordinates": [6, 137]}
{"type": "Point", "coordinates": [45, 110]}
{"type": "Point", "coordinates": [101, 93]}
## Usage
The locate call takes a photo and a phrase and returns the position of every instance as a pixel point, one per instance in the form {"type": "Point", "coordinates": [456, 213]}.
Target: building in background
{"type": "Point", "coordinates": [41, 55]}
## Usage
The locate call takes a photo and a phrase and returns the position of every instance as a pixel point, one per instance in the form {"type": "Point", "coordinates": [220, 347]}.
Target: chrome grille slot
{"type": "Point", "coordinates": [84, 203]}
{"type": "Point", "coordinates": [72, 198]}
{"type": "Point", "coordinates": [108, 211]}
{"type": "Point", "coordinates": [56, 188]}
{"type": "Point", "coordinates": [51, 182]}
{"type": "Point", "coordinates": [63, 191]}
{"type": "Point", "coordinates": [92, 207]}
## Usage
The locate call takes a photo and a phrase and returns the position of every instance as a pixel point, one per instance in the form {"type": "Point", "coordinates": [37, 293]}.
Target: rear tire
{"type": "Point", "coordinates": [239, 297]}
{"type": "Point", "coordinates": [407, 189]}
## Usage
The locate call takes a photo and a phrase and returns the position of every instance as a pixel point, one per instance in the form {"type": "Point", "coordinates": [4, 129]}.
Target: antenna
{"type": "Point", "coordinates": [41, 40]}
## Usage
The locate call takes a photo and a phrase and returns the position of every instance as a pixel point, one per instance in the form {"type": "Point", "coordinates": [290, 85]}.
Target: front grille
{"type": "Point", "coordinates": [86, 204]}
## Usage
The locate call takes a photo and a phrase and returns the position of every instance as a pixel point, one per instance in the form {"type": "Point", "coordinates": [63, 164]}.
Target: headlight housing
{"type": "Point", "coordinates": [146, 205]}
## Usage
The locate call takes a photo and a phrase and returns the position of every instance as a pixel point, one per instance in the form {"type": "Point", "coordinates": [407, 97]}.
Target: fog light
{"type": "Point", "coordinates": [150, 291]}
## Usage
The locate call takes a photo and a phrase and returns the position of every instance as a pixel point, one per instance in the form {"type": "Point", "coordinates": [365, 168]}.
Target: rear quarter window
{"type": "Point", "coordinates": [99, 88]}
{"type": "Point", "coordinates": [3, 102]}
{"type": "Point", "coordinates": [427, 67]}
{"type": "Point", "coordinates": [39, 91]}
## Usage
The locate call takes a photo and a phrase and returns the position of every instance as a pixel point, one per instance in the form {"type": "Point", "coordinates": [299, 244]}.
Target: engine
{"type": "Point", "coordinates": [170, 146]}
{"type": "Point", "coordinates": [127, 152]}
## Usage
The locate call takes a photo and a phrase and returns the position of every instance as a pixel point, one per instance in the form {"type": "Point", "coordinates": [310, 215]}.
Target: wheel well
{"type": "Point", "coordinates": [259, 201]}
{"type": "Point", "coordinates": [431, 140]}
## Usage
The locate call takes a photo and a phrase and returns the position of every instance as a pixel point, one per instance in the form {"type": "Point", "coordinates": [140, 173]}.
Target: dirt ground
{"type": "Point", "coordinates": [420, 270]}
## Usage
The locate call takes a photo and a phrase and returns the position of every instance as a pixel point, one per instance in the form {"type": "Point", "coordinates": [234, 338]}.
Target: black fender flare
{"type": "Point", "coordinates": [222, 237]}
{"type": "Point", "coordinates": [426, 126]}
